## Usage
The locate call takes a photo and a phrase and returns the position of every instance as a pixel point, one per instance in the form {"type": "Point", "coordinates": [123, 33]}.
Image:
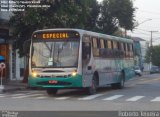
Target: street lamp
{"type": "Point", "coordinates": [143, 22]}
{"type": "Point", "coordinates": [140, 24]}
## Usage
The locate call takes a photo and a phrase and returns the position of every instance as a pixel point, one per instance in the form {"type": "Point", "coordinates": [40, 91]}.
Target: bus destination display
{"type": "Point", "coordinates": [56, 35]}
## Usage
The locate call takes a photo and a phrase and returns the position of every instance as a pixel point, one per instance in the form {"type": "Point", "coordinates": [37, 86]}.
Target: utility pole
{"type": "Point", "coordinates": [152, 37]}
{"type": "Point", "coordinates": [151, 46]}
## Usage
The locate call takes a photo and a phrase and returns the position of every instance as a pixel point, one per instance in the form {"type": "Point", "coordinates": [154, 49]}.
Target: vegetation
{"type": "Point", "coordinates": [116, 14]}
{"type": "Point", "coordinates": [106, 17]}
{"type": "Point", "coordinates": [153, 55]}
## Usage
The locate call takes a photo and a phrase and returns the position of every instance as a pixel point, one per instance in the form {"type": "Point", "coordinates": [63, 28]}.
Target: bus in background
{"type": "Point", "coordinates": [74, 58]}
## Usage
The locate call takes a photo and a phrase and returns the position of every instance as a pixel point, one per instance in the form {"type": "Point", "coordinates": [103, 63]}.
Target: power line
{"type": "Point", "coordinates": [142, 30]}
{"type": "Point", "coordinates": [150, 12]}
{"type": "Point", "coordinates": [137, 32]}
{"type": "Point", "coordinates": [147, 31]}
{"type": "Point", "coordinates": [151, 26]}
{"type": "Point", "coordinates": [157, 38]}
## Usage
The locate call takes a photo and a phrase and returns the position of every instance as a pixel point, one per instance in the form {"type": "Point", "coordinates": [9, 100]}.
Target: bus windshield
{"type": "Point", "coordinates": [55, 54]}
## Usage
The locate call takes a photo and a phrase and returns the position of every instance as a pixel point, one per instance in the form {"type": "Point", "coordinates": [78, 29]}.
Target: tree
{"type": "Point", "coordinates": [81, 14]}
{"type": "Point", "coordinates": [84, 14]}
{"type": "Point", "coordinates": [148, 56]}
{"type": "Point", "coordinates": [115, 14]}
{"type": "Point", "coordinates": [92, 18]}
{"type": "Point", "coordinates": [153, 55]}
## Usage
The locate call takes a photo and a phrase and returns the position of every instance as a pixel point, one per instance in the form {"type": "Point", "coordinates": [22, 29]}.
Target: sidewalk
{"type": "Point", "coordinates": [13, 86]}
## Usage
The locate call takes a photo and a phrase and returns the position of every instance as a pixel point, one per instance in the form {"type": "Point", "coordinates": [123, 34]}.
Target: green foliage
{"type": "Point", "coordinates": [124, 11]}
{"type": "Point", "coordinates": [148, 56]}
{"type": "Point", "coordinates": [115, 14]}
{"type": "Point", "coordinates": [153, 55]}
{"type": "Point", "coordinates": [107, 22]}
{"type": "Point", "coordinates": [62, 14]}
{"type": "Point", "coordinates": [83, 14]}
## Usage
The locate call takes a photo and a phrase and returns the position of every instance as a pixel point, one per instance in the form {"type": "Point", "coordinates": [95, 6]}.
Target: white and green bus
{"type": "Point", "coordinates": [74, 58]}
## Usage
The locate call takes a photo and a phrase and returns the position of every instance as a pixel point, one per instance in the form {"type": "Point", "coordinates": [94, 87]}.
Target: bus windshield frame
{"type": "Point", "coordinates": [55, 53]}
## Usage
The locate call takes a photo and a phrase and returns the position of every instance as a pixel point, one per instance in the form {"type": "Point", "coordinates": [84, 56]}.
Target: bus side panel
{"type": "Point", "coordinates": [123, 66]}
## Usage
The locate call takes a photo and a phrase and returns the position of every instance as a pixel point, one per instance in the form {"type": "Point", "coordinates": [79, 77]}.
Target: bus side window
{"type": "Point", "coordinates": [109, 45]}
{"type": "Point", "coordinates": [102, 44]}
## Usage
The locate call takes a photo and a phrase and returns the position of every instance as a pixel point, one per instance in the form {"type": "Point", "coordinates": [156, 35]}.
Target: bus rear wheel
{"type": "Point", "coordinates": [93, 88]}
{"type": "Point", "coordinates": [119, 85]}
{"type": "Point", "coordinates": [52, 91]}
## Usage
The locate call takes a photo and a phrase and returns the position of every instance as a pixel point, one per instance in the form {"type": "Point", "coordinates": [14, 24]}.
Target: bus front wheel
{"type": "Point", "coordinates": [93, 88]}
{"type": "Point", "coordinates": [52, 91]}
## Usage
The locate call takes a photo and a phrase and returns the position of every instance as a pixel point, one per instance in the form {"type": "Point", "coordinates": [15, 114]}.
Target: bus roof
{"type": "Point", "coordinates": [95, 34]}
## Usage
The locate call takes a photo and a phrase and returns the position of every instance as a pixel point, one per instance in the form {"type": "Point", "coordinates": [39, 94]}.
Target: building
{"type": "Point", "coordinates": [141, 46]}
{"type": "Point", "coordinates": [12, 61]}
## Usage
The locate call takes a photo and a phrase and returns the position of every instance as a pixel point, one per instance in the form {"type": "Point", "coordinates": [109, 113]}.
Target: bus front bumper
{"type": "Point", "coordinates": [59, 83]}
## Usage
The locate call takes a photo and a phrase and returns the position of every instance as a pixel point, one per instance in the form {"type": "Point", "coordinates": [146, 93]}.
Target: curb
{"type": "Point", "coordinates": [10, 90]}
{"type": "Point", "coordinates": [13, 89]}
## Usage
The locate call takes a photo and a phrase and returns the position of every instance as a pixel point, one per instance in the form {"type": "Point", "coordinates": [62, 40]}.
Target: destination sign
{"type": "Point", "coordinates": [56, 35]}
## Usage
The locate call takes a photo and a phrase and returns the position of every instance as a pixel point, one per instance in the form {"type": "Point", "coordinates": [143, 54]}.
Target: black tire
{"type": "Point", "coordinates": [139, 75]}
{"type": "Point", "coordinates": [119, 85]}
{"type": "Point", "coordinates": [93, 89]}
{"type": "Point", "coordinates": [32, 88]}
{"type": "Point", "coordinates": [52, 91]}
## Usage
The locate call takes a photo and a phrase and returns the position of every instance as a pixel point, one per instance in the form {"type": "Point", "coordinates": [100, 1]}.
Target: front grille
{"type": "Point", "coordinates": [59, 83]}
{"type": "Point", "coordinates": [53, 76]}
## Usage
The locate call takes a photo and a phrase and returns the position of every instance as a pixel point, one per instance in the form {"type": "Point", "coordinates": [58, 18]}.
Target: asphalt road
{"type": "Point", "coordinates": [139, 94]}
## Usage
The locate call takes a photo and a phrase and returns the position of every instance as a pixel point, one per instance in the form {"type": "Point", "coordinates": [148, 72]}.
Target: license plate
{"type": "Point", "coordinates": [53, 82]}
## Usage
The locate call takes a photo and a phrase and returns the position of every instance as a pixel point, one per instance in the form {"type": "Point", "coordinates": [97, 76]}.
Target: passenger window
{"type": "Point", "coordinates": [114, 45]}
{"type": "Point", "coordinates": [95, 43]}
{"type": "Point", "coordinates": [102, 43]}
{"type": "Point", "coordinates": [109, 44]}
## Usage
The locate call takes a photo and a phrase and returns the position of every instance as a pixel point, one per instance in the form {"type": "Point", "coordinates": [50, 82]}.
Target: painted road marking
{"type": "Point", "coordinates": [24, 96]}
{"type": "Point", "coordinates": [21, 94]}
{"type": "Point", "coordinates": [113, 97]}
{"type": "Point", "coordinates": [41, 97]}
{"type": "Point", "coordinates": [135, 98]}
{"type": "Point", "coordinates": [157, 99]}
{"type": "Point", "coordinates": [2, 96]}
{"type": "Point", "coordinates": [61, 98]}
{"type": "Point", "coordinates": [156, 79]}
{"type": "Point", "coordinates": [90, 97]}
{"type": "Point", "coordinates": [14, 95]}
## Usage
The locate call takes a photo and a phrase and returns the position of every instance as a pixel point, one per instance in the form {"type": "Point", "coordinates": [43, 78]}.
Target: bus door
{"type": "Point", "coordinates": [86, 61]}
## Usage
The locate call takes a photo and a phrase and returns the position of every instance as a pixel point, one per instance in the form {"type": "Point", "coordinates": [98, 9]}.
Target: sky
{"type": "Point", "coordinates": [148, 16]}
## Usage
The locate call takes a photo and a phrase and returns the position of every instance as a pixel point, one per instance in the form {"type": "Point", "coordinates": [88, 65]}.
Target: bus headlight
{"type": "Point", "coordinates": [74, 73]}
{"type": "Point", "coordinates": [34, 74]}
